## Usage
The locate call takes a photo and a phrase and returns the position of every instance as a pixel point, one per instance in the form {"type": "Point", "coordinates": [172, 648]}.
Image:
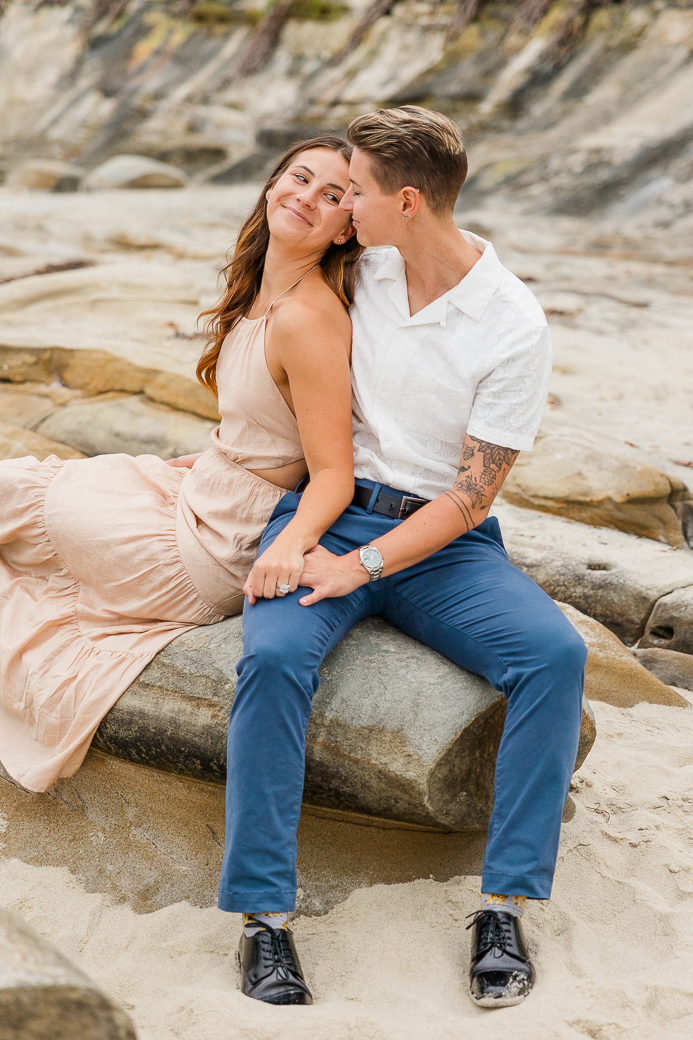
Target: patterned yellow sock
{"type": "Point", "coordinates": [509, 904]}
{"type": "Point", "coordinates": [253, 923]}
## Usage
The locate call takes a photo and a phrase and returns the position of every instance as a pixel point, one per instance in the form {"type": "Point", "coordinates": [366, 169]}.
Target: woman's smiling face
{"type": "Point", "coordinates": [303, 205]}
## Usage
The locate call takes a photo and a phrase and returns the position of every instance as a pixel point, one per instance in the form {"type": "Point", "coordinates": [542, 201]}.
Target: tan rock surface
{"type": "Point", "coordinates": [111, 327]}
{"type": "Point", "coordinates": [609, 575]}
{"type": "Point", "coordinates": [672, 667]}
{"type": "Point", "coordinates": [597, 481]}
{"type": "Point", "coordinates": [132, 425]}
{"type": "Point", "coordinates": [46, 175]}
{"type": "Point", "coordinates": [19, 409]}
{"type": "Point", "coordinates": [134, 171]}
{"type": "Point", "coordinates": [15, 443]}
{"type": "Point", "coordinates": [613, 674]}
{"type": "Point", "coordinates": [670, 625]}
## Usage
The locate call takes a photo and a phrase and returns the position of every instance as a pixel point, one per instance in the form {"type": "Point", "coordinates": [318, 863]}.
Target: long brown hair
{"type": "Point", "coordinates": [244, 270]}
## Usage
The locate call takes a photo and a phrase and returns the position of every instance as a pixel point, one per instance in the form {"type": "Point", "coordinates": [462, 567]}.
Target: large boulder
{"type": "Point", "coordinates": [397, 730]}
{"type": "Point", "coordinates": [672, 667]}
{"type": "Point", "coordinates": [16, 443]}
{"type": "Point", "coordinates": [46, 175]}
{"type": "Point", "coordinates": [134, 171]}
{"type": "Point", "coordinates": [613, 674]}
{"type": "Point", "coordinates": [43, 996]}
{"type": "Point", "coordinates": [127, 327]}
{"type": "Point", "coordinates": [611, 576]}
{"type": "Point", "coordinates": [132, 425]}
{"type": "Point", "coordinates": [670, 625]}
{"type": "Point", "coordinates": [598, 481]}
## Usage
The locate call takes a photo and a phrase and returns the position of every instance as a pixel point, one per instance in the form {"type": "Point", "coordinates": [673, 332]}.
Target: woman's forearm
{"type": "Point", "coordinates": [325, 498]}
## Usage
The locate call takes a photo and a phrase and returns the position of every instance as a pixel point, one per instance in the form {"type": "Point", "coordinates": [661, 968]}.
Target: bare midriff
{"type": "Point", "coordinates": [283, 476]}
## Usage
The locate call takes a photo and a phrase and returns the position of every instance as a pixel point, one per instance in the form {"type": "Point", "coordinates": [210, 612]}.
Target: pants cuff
{"type": "Point", "coordinates": [534, 886]}
{"type": "Point", "coordinates": [272, 901]}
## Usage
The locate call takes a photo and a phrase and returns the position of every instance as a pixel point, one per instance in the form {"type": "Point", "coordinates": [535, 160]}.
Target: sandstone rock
{"type": "Point", "coordinates": [23, 409]}
{"type": "Point", "coordinates": [43, 995]}
{"type": "Point", "coordinates": [608, 575]}
{"type": "Point", "coordinates": [132, 425]}
{"type": "Point", "coordinates": [613, 674]}
{"type": "Point", "coordinates": [109, 327]}
{"type": "Point", "coordinates": [598, 481]}
{"type": "Point", "coordinates": [46, 175]}
{"type": "Point", "coordinates": [397, 730]}
{"type": "Point", "coordinates": [15, 443]}
{"type": "Point", "coordinates": [134, 171]}
{"type": "Point", "coordinates": [670, 625]}
{"type": "Point", "coordinates": [672, 667]}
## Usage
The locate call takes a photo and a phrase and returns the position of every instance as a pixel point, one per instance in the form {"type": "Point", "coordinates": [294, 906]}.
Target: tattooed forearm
{"type": "Point", "coordinates": [495, 458]}
{"type": "Point", "coordinates": [463, 508]}
{"type": "Point", "coordinates": [473, 489]}
{"type": "Point", "coordinates": [482, 470]}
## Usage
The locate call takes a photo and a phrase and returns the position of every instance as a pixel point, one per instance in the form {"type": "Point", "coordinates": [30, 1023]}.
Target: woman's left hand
{"type": "Point", "coordinates": [280, 564]}
{"type": "Point", "coordinates": [184, 461]}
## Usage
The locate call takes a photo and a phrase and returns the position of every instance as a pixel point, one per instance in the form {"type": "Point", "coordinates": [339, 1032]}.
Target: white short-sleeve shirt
{"type": "Point", "coordinates": [477, 360]}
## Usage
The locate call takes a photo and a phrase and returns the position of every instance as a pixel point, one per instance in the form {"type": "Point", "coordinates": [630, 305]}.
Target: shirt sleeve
{"type": "Point", "coordinates": [509, 402]}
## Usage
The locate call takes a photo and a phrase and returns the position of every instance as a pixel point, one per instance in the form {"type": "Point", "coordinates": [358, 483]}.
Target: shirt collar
{"type": "Point", "coordinates": [471, 296]}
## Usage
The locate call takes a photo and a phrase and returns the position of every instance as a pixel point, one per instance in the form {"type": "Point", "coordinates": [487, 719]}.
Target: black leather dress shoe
{"type": "Point", "coordinates": [270, 968]}
{"type": "Point", "coordinates": [501, 973]}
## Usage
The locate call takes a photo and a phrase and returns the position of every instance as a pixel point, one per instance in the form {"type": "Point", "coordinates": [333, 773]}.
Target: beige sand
{"type": "Point", "coordinates": [613, 948]}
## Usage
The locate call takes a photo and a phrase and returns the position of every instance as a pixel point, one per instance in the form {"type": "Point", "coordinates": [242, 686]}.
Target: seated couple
{"type": "Point", "coordinates": [103, 561]}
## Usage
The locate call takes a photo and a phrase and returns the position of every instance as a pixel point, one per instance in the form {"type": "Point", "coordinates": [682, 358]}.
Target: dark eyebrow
{"type": "Point", "coordinates": [329, 185]}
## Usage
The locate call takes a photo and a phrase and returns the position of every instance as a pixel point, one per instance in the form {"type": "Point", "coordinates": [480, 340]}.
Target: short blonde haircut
{"type": "Point", "coordinates": [413, 146]}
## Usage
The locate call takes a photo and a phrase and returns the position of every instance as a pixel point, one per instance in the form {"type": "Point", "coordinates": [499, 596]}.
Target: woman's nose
{"type": "Point", "coordinates": [308, 198]}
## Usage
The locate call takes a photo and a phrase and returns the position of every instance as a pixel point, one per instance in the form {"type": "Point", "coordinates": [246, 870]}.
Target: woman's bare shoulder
{"type": "Point", "coordinates": [317, 310]}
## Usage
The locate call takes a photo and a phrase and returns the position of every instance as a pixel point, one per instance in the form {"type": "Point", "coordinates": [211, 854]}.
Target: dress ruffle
{"type": "Point", "coordinates": [92, 586]}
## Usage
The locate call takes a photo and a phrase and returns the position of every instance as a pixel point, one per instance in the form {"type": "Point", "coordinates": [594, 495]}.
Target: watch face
{"type": "Point", "coordinates": [371, 558]}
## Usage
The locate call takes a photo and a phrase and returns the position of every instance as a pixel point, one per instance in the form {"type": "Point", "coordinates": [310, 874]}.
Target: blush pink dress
{"type": "Point", "coordinates": [103, 561]}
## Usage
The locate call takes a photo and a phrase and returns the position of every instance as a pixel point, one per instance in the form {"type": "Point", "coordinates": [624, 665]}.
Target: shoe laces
{"type": "Point", "coordinates": [276, 951]}
{"type": "Point", "coordinates": [494, 932]}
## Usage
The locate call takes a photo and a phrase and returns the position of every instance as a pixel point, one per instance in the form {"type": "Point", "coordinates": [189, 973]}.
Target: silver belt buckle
{"type": "Point", "coordinates": [406, 499]}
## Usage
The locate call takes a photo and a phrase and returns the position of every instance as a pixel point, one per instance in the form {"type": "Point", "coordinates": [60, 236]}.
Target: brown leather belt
{"type": "Point", "coordinates": [396, 505]}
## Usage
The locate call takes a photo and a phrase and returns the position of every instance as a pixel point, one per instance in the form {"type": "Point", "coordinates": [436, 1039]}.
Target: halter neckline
{"type": "Point", "coordinates": [293, 285]}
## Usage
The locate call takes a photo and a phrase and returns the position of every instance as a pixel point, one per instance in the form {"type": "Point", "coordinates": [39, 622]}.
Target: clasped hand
{"type": "Point", "coordinates": [325, 573]}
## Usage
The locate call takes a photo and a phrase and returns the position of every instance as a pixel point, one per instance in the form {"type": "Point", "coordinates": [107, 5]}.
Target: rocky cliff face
{"type": "Point", "coordinates": [572, 106]}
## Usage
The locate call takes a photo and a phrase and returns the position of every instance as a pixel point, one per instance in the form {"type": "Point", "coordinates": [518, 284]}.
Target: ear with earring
{"type": "Point", "coordinates": [267, 195]}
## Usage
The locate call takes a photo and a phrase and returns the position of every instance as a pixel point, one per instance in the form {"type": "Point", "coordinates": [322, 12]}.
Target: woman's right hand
{"type": "Point", "coordinates": [280, 564]}
{"type": "Point", "coordinates": [184, 461]}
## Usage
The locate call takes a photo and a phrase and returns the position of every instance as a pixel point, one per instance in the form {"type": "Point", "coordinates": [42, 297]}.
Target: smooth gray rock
{"type": "Point", "coordinates": [672, 667]}
{"type": "Point", "coordinates": [614, 577]}
{"type": "Point", "coordinates": [670, 625]}
{"type": "Point", "coordinates": [397, 730]}
{"type": "Point", "coordinates": [134, 171]}
{"type": "Point", "coordinates": [132, 425]}
{"type": "Point", "coordinates": [43, 996]}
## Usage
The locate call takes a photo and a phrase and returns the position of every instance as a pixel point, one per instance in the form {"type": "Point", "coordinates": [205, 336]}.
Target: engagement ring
{"type": "Point", "coordinates": [283, 589]}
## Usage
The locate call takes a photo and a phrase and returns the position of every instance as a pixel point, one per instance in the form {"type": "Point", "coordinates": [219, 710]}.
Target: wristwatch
{"type": "Point", "coordinates": [371, 558]}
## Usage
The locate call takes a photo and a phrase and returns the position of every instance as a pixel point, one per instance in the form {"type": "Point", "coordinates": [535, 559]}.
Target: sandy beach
{"type": "Point", "coordinates": [613, 948]}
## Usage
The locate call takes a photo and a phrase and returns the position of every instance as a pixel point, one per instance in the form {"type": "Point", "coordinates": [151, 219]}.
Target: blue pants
{"type": "Point", "coordinates": [468, 602]}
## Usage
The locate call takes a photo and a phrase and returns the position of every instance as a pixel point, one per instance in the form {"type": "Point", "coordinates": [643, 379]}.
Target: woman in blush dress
{"type": "Point", "coordinates": [103, 561]}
